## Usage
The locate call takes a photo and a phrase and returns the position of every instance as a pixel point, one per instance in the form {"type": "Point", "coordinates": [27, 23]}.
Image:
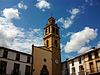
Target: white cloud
{"type": "Point", "coordinates": [36, 30]}
{"type": "Point", "coordinates": [98, 45]}
{"type": "Point", "coordinates": [80, 39]}
{"type": "Point", "coordinates": [30, 37]}
{"type": "Point", "coordinates": [17, 38]}
{"type": "Point", "coordinates": [69, 33]}
{"type": "Point", "coordinates": [62, 47]}
{"type": "Point", "coordinates": [21, 5]}
{"type": "Point", "coordinates": [84, 49]}
{"type": "Point", "coordinates": [10, 13]}
{"type": "Point", "coordinates": [74, 12]}
{"type": "Point", "coordinates": [66, 23]}
{"type": "Point", "coordinates": [43, 5]}
{"type": "Point", "coordinates": [8, 32]}
{"type": "Point", "coordinates": [69, 21]}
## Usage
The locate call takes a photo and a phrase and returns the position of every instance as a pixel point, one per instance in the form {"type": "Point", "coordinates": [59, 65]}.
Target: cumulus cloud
{"type": "Point", "coordinates": [43, 5]}
{"type": "Point", "coordinates": [17, 38]}
{"type": "Point", "coordinates": [21, 5]}
{"type": "Point", "coordinates": [80, 39]}
{"type": "Point", "coordinates": [10, 13]}
{"type": "Point", "coordinates": [69, 21]}
{"type": "Point", "coordinates": [30, 37]}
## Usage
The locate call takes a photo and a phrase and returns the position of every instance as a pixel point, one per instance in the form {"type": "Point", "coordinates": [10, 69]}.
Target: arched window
{"type": "Point", "coordinates": [46, 31]}
{"type": "Point", "coordinates": [47, 42]}
{"type": "Point", "coordinates": [57, 31]}
{"type": "Point", "coordinates": [53, 29]}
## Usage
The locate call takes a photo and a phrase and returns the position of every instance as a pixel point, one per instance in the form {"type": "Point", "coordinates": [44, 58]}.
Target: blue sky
{"type": "Point", "coordinates": [22, 23]}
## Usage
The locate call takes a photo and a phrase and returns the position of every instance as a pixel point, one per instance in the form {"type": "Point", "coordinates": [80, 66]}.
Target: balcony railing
{"type": "Point", "coordinates": [93, 70]}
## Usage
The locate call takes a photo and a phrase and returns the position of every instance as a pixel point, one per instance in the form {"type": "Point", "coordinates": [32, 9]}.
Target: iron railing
{"type": "Point", "coordinates": [93, 70]}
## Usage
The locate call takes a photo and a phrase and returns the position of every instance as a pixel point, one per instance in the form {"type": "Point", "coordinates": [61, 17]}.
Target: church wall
{"type": "Point", "coordinates": [38, 60]}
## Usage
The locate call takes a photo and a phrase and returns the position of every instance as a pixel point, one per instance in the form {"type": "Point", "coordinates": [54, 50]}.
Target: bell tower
{"type": "Point", "coordinates": [52, 42]}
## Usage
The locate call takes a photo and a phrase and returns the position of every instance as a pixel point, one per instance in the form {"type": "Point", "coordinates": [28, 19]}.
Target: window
{"type": "Point", "coordinates": [5, 54]}
{"type": "Point", "coordinates": [27, 70]}
{"type": "Point", "coordinates": [81, 68]}
{"type": "Point", "coordinates": [18, 57]}
{"type": "Point", "coordinates": [46, 31]}
{"type": "Point", "coordinates": [98, 65]}
{"type": "Point", "coordinates": [73, 70]}
{"type": "Point", "coordinates": [80, 61]}
{"type": "Point", "coordinates": [16, 69]}
{"type": "Point", "coordinates": [96, 54]}
{"type": "Point", "coordinates": [66, 65]}
{"type": "Point", "coordinates": [3, 65]}
{"type": "Point", "coordinates": [91, 67]}
{"type": "Point", "coordinates": [56, 31]}
{"type": "Point", "coordinates": [44, 59]}
{"type": "Point", "coordinates": [47, 42]}
{"type": "Point", "coordinates": [72, 62]}
{"type": "Point", "coordinates": [90, 57]}
{"type": "Point", "coordinates": [56, 43]}
{"type": "Point", "coordinates": [53, 29]}
{"type": "Point", "coordinates": [28, 59]}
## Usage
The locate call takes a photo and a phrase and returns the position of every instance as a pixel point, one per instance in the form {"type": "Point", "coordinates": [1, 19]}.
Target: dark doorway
{"type": "Point", "coordinates": [44, 70]}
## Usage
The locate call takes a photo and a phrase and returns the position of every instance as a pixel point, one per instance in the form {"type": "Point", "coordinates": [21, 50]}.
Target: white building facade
{"type": "Point", "coordinates": [85, 64]}
{"type": "Point", "coordinates": [76, 66]}
{"type": "Point", "coordinates": [14, 62]}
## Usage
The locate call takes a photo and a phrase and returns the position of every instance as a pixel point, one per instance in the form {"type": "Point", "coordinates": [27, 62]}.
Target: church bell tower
{"type": "Point", "coordinates": [52, 42]}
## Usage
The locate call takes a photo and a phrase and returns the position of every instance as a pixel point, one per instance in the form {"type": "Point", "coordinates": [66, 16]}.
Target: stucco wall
{"type": "Point", "coordinates": [38, 60]}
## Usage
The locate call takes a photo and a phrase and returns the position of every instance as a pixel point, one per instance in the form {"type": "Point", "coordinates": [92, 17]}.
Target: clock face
{"type": "Point", "coordinates": [56, 61]}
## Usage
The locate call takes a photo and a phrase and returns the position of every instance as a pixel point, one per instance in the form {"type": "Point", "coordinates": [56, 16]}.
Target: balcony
{"type": "Point", "coordinates": [93, 71]}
